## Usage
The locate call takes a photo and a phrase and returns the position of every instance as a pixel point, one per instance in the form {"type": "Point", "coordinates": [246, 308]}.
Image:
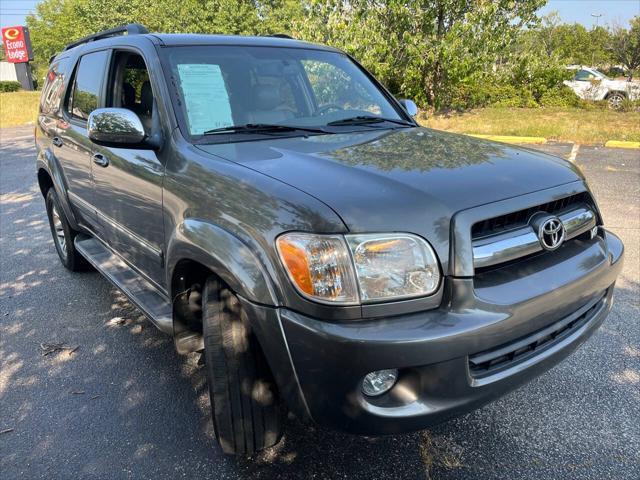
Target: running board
{"type": "Point", "coordinates": [155, 305]}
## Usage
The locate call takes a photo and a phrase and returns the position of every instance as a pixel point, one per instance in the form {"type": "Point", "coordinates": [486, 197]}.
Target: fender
{"type": "Point", "coordinates": [223, 253]}
{"type": "Point", "coordinates": [48, 162]}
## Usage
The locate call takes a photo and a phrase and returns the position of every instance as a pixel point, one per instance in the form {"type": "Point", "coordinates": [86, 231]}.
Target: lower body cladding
{"type": "Point", "coordinates": [493, 332]}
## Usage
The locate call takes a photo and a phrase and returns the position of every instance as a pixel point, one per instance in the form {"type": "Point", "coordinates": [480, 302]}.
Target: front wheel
{"type": "Point", "coordinates": [63, 235]}
{"type": "Point", "coordinates": [615, 100]}
{"type": "Point", "coordinates": [244, 398]}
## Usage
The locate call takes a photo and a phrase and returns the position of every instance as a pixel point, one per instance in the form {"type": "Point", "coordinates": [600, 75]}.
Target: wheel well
{"type": "Point", "coordinates": [616, 91]}
{"type": "Point", "coordinates": [187, 282]}
{"type": "Point", "coordinates": [44, 181]}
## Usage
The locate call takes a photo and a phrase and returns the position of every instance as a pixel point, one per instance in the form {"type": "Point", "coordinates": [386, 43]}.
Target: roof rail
{"type": "Point", "coordinates": [281, 35]}
{"type": "Point", "coordinates": [130, 29]}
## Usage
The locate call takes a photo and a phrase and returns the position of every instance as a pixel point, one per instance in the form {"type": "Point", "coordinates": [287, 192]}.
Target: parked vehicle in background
{"type": "Point", "coordinates": [618, 72]}
{"type": "Point", "coordinates": [591, 84]}
{"type": "Point", "coordinates": [268, 203]}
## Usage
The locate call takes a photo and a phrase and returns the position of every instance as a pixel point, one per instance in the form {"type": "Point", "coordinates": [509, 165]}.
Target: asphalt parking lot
{"type": "Point", "coordinates": [123, 404]}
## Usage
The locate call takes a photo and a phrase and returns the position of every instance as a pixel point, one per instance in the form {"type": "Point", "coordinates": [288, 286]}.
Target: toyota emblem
{"type": "Point", "coordinates": [551, 233]}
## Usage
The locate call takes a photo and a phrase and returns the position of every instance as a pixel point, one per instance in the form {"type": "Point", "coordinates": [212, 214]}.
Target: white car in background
{"type": "Point", "coordinates": [591, 84]}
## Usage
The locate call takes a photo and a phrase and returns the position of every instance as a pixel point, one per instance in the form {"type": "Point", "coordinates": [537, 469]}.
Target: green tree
{"type": "Point", "coordinates": [56, 23]}
{"type": "Point", "coordinates": [441, 53]}
{"type": "Point", "coordinates": [625, 46]}
{"type": "Point", "coordinates": [569, 43]}
{"type": "Point", "coordinates": [423, 49]}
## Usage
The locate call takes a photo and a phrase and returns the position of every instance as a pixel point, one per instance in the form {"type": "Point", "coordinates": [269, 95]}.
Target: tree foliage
{"type": "Point", "coordinates": [568, 43]}
{"type": "Point", "coordinates": [625, 46]}
{"type": "Point", "coordinates": [442, 53]}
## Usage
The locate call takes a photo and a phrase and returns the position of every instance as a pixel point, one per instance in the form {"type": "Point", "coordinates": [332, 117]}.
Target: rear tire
{"type": "Point", "coordinates": [63, 235]}
{"type": "Point", "coordinates": [244, 398]}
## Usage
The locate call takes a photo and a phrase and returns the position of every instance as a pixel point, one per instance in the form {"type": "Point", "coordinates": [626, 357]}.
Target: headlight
{"type": "Point", "coordinates": [319, 266]}
{"type": "Point", "coordinates": [393, 266]}
{"type": "Point", "coordinates": [366, 268]}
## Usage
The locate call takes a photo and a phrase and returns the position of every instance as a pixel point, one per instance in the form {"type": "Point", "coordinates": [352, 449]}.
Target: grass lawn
{"type": "Point", "coordinates": [571, 125]}
{"type": "Point", "coordinates": [561, 124]}
{"type": "Point", "coordinates": [18, 108]}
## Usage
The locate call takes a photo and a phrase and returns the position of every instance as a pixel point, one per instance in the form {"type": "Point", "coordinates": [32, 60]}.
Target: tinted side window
{"type": "Point", "coordinates": [584, 76]}
{"type": "Point", "coordinates": [87, 83]}
{"type": "Point", "coordinates": [53, 87]}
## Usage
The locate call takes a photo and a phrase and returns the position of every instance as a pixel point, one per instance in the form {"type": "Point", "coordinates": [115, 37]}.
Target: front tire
{"type": "Point", "coordinates": [63, 235]}
{"type": "Point", "coordinates": [615, 100]}
{"type": "Point", "coordinates": [244, 399]}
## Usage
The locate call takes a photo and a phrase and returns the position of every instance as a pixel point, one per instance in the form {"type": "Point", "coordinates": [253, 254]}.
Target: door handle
{"type": "Point", "coordinates": [57, 141]}
{"type": "Point", "coordinates": [100, 160]}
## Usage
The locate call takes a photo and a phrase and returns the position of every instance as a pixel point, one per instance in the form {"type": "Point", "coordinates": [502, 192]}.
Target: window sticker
{"type": "Point", "coordinates": [206, 97]}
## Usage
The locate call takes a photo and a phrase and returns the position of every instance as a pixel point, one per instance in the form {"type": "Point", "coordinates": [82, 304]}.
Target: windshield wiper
{"type": "Point", "coordinates": [365, 119]}
{"type": "Point", "coordinates": [261, 128]}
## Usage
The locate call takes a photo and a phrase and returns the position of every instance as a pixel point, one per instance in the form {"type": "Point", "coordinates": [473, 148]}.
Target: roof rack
{"type": "Point", "coordinates": [281, 35]}
{"type": "Point", "coordinates": [130, 29]}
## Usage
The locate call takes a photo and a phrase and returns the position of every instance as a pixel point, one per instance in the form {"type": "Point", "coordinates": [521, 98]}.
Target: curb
{"type": "Point", "coordinates": [621, 144]}
{"type": "Point", "coordinates": [510, 139]}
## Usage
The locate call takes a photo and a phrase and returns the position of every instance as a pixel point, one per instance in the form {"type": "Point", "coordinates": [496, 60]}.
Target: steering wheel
{"type": "Point", "coordinates": [328, 107]}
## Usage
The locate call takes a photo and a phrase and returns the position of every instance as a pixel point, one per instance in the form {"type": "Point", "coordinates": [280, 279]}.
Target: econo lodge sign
{"type": "Point", "coordinates": [17, 45]}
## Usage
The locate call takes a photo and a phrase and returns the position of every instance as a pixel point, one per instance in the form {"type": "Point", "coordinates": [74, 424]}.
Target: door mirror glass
{"type": "Point", "coordinates": [116, 127]}
{"type": "Point", "coordinates": [410, 107]}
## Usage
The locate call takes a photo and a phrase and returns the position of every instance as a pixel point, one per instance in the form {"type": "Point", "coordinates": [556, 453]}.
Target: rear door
{"type": "Point", "coordinates": [128, 182]}
{"type": "Point", "coordinates": [73, 147]}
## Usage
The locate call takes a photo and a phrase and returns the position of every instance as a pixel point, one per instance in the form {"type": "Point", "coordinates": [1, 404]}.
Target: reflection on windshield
{"type": "Point", "coordinates": [221, 86]}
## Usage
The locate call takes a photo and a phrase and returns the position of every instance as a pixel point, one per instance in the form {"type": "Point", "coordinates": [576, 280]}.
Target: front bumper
{"type": "Point", "coordinates": [479, 316]}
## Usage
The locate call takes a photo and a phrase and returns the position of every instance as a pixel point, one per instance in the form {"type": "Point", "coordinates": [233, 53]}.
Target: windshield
{"type": "Point", "coordinates": [600, 74]}
{"type": "Point", "coordinates": [224, 86]}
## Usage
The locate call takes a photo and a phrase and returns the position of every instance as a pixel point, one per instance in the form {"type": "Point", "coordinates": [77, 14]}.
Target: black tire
{"type": "Point", "coordinates": [244, 399]}
{"type": "Point", "coordinates": [63, 235]}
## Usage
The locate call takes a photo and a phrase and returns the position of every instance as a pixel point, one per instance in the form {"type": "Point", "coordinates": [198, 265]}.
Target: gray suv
{"type": "Point", "coordinates": [268, 203]}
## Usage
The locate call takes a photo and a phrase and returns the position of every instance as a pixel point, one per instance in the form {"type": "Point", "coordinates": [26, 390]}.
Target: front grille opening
{"type": "Point", "coordinates": [513, 220]}
{"type": "Point", "coordinates": [503, 357]}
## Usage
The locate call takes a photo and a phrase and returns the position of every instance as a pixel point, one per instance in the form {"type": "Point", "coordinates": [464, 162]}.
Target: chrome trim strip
{"type": "Point", "coordinates": [518, 243]}
{"type": "Point", "coordinates": [506, 247]}
{"type": "Point", "coordinates": [128, 233]}
{"type": "Point", "coordinates": [79, 202]}
{"type": "Point", "coordinates": [578, 221]}
{"type": "Point", "coordinates": [460, 262]}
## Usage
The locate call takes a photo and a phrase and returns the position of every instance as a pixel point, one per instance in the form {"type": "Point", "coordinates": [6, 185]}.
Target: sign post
{"type": "Point", "coordinates": [17, 50]}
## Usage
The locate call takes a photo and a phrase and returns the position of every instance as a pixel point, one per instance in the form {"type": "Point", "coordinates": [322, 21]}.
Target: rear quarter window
{"type": "Point", "coordinates": [53, 87]}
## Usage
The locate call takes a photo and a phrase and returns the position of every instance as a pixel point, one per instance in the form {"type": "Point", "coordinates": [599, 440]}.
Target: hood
{"type": "Point", "coordinates": [409, 179]}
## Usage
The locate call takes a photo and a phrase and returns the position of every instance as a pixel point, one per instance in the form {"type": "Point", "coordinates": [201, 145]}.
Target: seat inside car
{"type": "Point", "coordinates": [266, 100]}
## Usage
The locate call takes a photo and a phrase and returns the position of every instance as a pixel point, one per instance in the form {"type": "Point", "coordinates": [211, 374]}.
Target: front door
{"type": "Point", "coordinates": [72, 146]}
{"type": "Point", "coordinates": [128, 182]}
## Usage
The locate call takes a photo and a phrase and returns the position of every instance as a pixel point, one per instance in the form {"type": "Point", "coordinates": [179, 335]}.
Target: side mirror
{"type": "Point", "coordinates": [116, 127]}
{"type": "Point", "coordinates": [410, 107]}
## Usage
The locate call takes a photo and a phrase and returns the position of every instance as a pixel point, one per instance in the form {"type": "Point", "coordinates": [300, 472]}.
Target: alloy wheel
{"type": "Point", "coordinates": [59, 237]}
{"type": "Point", "coordinates": [615, 101]}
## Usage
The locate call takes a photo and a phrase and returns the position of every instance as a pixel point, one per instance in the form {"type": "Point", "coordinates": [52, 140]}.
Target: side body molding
{"type": "Point", "coordinates": [49, 163]}
{"type": "Point", "coordinates": [223, 253]}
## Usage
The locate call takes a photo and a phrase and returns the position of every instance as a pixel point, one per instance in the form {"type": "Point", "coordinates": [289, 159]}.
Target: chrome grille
{"type": "Point", "coordinates": [514, 220]}
{"type": "Point", "coordinates": [510, 237]}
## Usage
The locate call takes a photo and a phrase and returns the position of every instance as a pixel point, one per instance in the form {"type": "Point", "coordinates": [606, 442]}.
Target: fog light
{"type": "Point", "coordinates": [378, 382]}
